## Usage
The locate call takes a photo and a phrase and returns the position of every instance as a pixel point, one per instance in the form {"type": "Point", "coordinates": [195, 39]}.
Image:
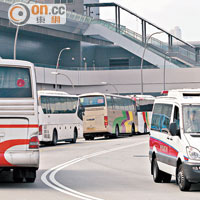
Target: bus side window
{"type": "Point", "coordinates": [122, 104]}
{"type": "Point", "coordinates": [44, 104]}
{"type": "Point", "coordinates": [48, 105]}
{"type": "Point", "coordinates": [116, 103]}
{"type": "Point", "coordinates": [109, 102]}
{"type": "Point", "coordinates": [52, 105]}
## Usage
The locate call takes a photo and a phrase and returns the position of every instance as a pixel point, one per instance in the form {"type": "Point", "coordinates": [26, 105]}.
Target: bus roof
{"type": "Point", "coordinates": [15, 62]}
{"type": "Point", "coordinates": [102, 94]}
{"type": "Point", "coordinates": [54, 93]}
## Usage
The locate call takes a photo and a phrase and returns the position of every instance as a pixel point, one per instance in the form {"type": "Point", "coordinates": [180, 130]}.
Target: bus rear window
{"type": "Point", "coordinates": [92, 101]}
{"type": "Point", "coordinates": [15, 82]}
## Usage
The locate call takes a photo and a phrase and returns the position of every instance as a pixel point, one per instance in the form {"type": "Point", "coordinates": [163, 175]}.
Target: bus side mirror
{"type": "Point", "coordinates": [81, 111]}
{"type": "Point", "coordinates": [173, 129]}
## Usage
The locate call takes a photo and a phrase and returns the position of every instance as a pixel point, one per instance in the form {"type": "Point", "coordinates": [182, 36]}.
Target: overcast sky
{"type": "Point", "coordinates": [165, 13]}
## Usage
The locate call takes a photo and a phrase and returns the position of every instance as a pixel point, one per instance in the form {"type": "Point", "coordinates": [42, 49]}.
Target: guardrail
{"type": "Point", "coordinates": [189, 55]}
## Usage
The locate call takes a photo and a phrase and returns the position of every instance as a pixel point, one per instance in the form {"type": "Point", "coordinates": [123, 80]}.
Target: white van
{"type": "Point", "coordinates": [175, 138]}
{"type": "Point", "coordinates": [19, 144]}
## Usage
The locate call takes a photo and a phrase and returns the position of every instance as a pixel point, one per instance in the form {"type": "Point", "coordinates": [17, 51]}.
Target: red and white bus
{"type": "Point", "coordinates": [19, 144]}
{"type": "Point", "coordinates": [144, 105]}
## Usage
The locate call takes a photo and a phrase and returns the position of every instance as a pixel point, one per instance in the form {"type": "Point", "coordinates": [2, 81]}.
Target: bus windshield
{"type": "Point", "coordinates": [15, 82]}
{"type": "Point", "coordinates": [191, 118]}
{"type": "Point", "coordinates": [92, 101]}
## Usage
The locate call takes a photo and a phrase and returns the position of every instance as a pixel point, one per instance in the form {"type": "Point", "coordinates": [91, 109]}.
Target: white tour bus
{"type": "Point", "coordinates": [144, 105]}
{"type": "Point", "coordinates": [59, 117]}
{"type": "Point", "coordinates": [175, 138]}
{"type": "Point", "coordinates": [108, 115]}
{"type": "Point", "coordinates": [19, 144]}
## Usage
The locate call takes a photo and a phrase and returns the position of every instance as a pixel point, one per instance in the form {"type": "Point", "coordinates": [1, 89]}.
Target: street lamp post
{"type": "Point", "coordinates": [16, 37]}
{"type": "Point", "coordinates": [105, 83]}
{"type": "Point", "coordinates": [142, 60]}
{"type": "Point", "coordinates": [15, 42]}
{"type": "Point", "coordinates": [57, 64]}
{"type": "Point", "coordinates": [58, 73]}
{"type": "Point", "coordinates": [164, 72]}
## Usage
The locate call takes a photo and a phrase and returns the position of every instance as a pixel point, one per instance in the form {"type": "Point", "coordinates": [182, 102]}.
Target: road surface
{"type": "Point", "coordinates": [113, 169]}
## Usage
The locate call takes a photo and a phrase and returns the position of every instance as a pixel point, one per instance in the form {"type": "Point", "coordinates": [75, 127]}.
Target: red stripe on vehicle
{"type": "Point", "coordinates": [163, 147]}
{"type": "Point", "coordinates": [19, 126]}
{"type": "Point", "coordinates": [4, 146]}
{"type": "Point", "coordinates": [144, 117]}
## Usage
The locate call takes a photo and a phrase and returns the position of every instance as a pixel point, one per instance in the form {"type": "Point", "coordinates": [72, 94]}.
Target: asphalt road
{"type": "Point", "coordinates": [114, 169]}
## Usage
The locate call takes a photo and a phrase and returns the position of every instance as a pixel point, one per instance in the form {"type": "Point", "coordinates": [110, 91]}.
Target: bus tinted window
{"type": "Point", "coordinates": [92, 101]}
{"type": "Point", "coordinates": [57, 105]}
{"type": "Point", "coordinates": [72, 104]}
{"type": "Point", "coordinates": [145, 108]}
{"type": "Point", "coordinates": [44, 104]}
{"type": "Point", "coordinates": [109, 102]}
{"type": "Point", "coordinates": [15, 82]}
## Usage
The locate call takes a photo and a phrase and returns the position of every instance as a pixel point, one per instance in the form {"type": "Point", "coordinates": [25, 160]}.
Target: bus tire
{"type": "Point", "coordinates": [145, 128]}
{"type": "Point", "coordinates": [55, 138]}
{"type": "Point", "coordinates": [30, 175]}
{"type": "Point", "coordinates": [18, 176]}
{"type": "Point", "coordinates": [75, 136]}
{"type": "Point", "coordinates": [87, 137]}
{"type": "Point", "coordinates": [183, 183]}
{"type": "Point", "coordinates": [30, 180]}
{"type": "Point", "coordinates": [91, 137]}
{"type": "Point", "coordinates": [116, 131]}
{"type": "Point", "coordinates": [133, 130]}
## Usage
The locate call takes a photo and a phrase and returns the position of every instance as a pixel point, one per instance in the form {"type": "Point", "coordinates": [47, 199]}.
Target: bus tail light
{"type": "Point", "coordinates": [40, 130]}
{"type": "Point", "coordinates": [105, 121]}
{"type": "Point", "coordinates": [34, 143]}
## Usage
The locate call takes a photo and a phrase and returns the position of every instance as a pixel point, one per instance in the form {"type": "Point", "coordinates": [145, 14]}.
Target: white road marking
{"type": "Point", "coordinates": [66, 190]}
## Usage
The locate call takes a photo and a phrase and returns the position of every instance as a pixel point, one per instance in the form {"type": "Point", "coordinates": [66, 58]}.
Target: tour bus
{"type": "Point", "coordinates": [59, 117]}
{"type": "Point", "coordinates": [19, 144]}
{"type": "Point", "coordinates": [144, 105]}
{"type": "Point", "coordinates": [108, 115]}
{"type": "Point", "coordinates": [175, 138]}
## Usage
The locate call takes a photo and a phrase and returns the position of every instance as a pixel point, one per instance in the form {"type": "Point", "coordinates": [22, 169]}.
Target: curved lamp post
{"type": "Point", "coordinates": [16, 37]}
{"type": "Point", "coordinates": [58, 60]}
{"type": "Point", "coordinates": [142, 60]}
{"type": "Point", "coordinates": [58, 73]}
{"type": "Point", "coordinates": [105, 83]}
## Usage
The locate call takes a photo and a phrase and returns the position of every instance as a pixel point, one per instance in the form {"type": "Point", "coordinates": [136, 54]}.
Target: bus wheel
{"type": "Point", "coordinates": [55, 138]}
{"type": "Point", "coordinates": [145, 128]}
{"type": "Point", "coordinates": [30, 180]}
{"type": "Point", "coordinates": [117, 131]}
{"type": "Point", "coordinates": [183, 183]}
{"type": "Point", "coordinates": [87, 137]}
{"type": "Point", "coordinates": [91, 137]}
{"type": "Point", "coordinates": [18, 176]}
{"type": "Point", "coordinates": [75, 137]}
{"type": "Point", "coordinates": [133, 129]}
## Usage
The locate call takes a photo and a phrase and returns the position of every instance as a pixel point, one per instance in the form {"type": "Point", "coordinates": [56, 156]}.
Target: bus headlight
{"type": "Point", "coordinates": [193, 153]}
